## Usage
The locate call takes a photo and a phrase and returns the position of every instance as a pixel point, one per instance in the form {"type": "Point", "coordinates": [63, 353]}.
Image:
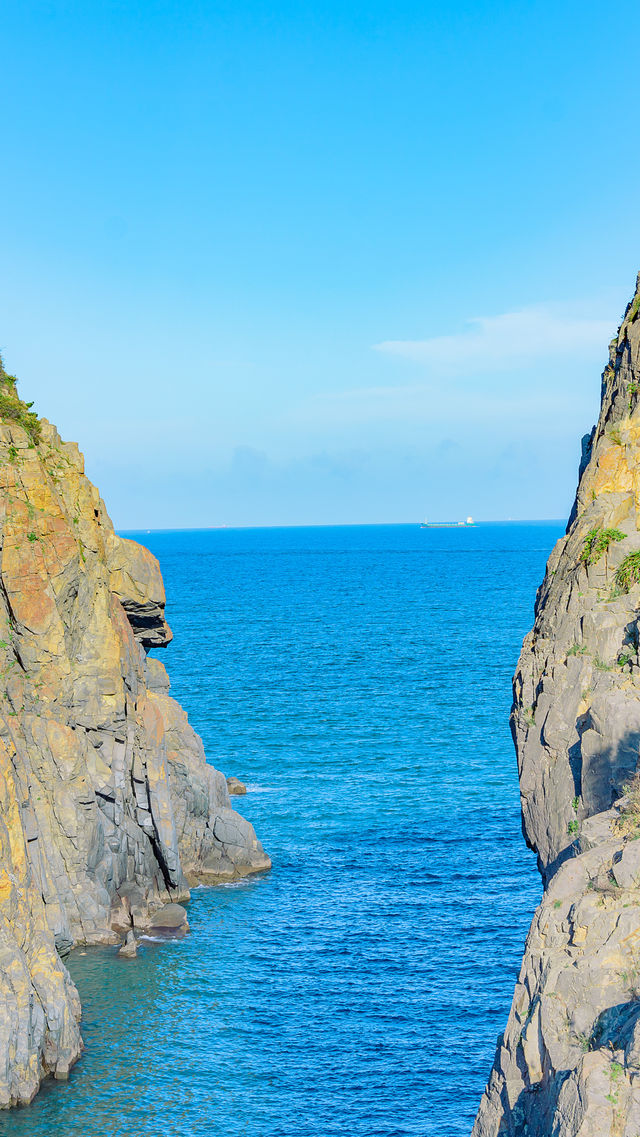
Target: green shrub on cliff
{"type": "Point", "coordinates": [597, 542]}
{"type": "Point", "coordinates": [628, 820]}
{"type": "Point", "coordinates": [14, 409]}
{"type": "Point", "coordinates": [629, 572]}
{"type": "Point", "coordinates": [634, 309]}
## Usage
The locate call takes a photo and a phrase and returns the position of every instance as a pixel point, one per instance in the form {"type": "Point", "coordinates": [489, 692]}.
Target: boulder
{"type": "Point", "coordinates": [235, 786]}
{"type": "Point", "coordinates": [170, 920]}
{"type": "Point", "coordinates": [129, 949]}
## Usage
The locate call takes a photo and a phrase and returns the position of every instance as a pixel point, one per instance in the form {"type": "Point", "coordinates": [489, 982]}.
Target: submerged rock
{"type": "Point", "coordinates": [568, 1064]}
{"type": "Point", "coordinates": [235, 786]}
{"type": "Point", "coordinates": [108, 808]}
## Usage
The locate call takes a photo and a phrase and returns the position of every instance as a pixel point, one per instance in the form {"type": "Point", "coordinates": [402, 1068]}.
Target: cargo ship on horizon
{"type": "Point", "coordinates": [447, 524]}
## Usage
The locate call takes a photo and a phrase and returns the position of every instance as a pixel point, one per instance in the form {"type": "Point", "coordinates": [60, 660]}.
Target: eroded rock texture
{"type": "Point", "coordinates": [568, 1064]}
{"type": "Point", "coordinates": [108, 809]}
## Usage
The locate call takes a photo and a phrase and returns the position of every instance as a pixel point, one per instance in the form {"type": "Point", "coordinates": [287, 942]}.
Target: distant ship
{"type": "Point", "coordinates": [446, 524]}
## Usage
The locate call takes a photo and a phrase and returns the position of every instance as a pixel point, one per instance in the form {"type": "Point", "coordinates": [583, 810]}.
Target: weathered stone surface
{"type": "Point", "coordinates": [107, 804]}
{"type": "Point", "coordinates": [576, 713]}
{"type": "Point", "coordinates": [568, 1064]}
{"type": "Point", "coordinates": [134, 577]}
{"type": "Point", "coordinates": [129, 949]}
{"type": "Point", "coordinates": [170, 918]}
{"type": "Point", "coordinates": [235, 786]}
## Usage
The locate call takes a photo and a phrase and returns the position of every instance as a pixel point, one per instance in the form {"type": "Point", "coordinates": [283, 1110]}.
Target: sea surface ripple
{"type": "Point", "coordinates": [359, 679]}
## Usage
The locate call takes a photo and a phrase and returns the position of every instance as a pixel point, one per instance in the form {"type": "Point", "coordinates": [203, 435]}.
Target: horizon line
{"type": "Point", "coordinates": [340, 525]}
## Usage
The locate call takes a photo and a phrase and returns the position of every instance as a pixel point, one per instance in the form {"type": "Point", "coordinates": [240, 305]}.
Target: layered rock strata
{"type": "Point", "coordinates": [108, 808]}
{"type": "Point", "coordinates": [568, 1064]}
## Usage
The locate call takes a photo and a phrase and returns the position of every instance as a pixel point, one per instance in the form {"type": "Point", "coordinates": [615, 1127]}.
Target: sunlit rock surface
{"type": "Point", "coordinates": [108, 809]}
{"type": "Point", "coordinates": [568, 1064]}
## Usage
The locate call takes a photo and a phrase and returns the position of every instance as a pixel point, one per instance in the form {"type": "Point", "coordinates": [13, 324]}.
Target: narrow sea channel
{"type": "Point", "coordinates": [359, 680]}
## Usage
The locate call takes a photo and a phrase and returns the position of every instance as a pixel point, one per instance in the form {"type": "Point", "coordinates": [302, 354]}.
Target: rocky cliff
{"type": "Point", "coordinates": [108, 808]}
{"type": "Point", "coordinates": [568, 1064]}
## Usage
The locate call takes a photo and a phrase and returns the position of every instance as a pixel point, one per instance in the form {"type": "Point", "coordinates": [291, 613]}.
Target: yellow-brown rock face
{"type": "Point", "coordinates": [568, 1063]}
{"type": "Point", "coordinates": [108, 808]}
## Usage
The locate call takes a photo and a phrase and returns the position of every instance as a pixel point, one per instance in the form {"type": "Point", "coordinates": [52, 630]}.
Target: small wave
{"type": "Point", "coordinates": [160, 939]}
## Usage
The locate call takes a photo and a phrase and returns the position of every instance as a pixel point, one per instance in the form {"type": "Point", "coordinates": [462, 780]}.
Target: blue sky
{"type": "Point", "coordinates": [318, 262]}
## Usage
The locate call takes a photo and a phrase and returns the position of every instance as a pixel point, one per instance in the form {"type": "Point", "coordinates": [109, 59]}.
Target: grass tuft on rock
{"type": "Point", "coordinates": [628, 573]}
{"type": "Point", "coordinates": [628, 821]}
{"type": "Point", "coordinates": [597, 542]}
{"type": "Point", "coordinates": [634, 309]}
{"type": "Point", "coordinates": [14, 409]}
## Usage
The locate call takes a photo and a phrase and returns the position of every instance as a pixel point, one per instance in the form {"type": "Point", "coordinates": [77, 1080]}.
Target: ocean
{"type": "Point", "coordinates": [358, 679]}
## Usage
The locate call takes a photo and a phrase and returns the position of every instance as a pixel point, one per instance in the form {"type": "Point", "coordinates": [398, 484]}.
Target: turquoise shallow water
{"type": "Point", "coordinates": [358, 678]}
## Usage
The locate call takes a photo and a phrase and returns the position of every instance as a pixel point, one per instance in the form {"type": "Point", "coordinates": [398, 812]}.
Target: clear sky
{"type": "Point", "coordinates": [287, 262]}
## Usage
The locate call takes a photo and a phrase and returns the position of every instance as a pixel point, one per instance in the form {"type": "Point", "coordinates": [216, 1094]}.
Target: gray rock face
{"type": "Point", "coordinates": [108, 808]}
{"type": "Point", "coordinates": [568, 1064]}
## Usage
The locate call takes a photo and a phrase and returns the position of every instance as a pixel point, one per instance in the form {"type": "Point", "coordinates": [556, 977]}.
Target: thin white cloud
{"type": "Point", "coordinates": [513, 338]}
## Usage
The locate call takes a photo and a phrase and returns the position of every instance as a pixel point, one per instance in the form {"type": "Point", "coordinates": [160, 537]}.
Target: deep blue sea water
{"type": "Point", "coordinates": [359, 679]}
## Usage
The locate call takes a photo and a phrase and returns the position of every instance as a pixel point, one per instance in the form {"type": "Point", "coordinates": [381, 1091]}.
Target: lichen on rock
{"type": "Point", "coordinates": [108, 808]}
{"type": "Point", "coordinates": [568, 1064]}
